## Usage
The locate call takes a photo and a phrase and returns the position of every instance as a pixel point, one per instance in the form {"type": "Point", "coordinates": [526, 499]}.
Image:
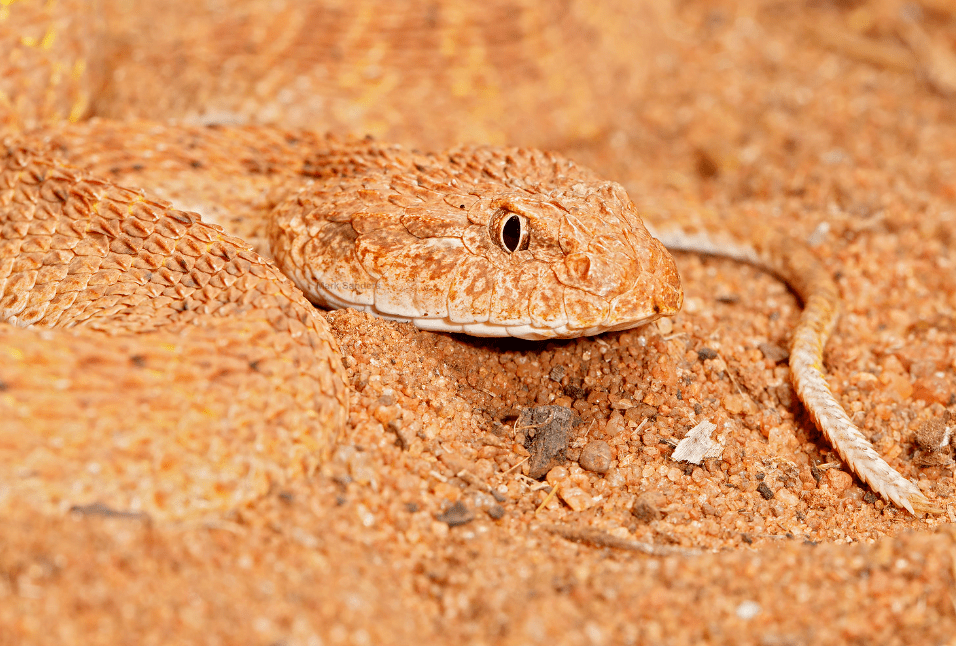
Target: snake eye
{"type": "Point", "coordinates": [510, 231]}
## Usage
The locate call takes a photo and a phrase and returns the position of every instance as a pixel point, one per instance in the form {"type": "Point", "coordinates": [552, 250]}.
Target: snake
{"type": "Point", "coordinates": [128, 316]}
{"type": "Point", "coordinates": [478, 240]}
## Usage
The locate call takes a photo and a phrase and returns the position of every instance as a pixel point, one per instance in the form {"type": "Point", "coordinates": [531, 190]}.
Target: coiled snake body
{"type": "Point", "coordinates": [478, 240]}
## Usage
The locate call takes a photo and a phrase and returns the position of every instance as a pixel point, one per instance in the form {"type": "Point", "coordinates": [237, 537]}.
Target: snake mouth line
{"type": "Point", "coordinates": [527, 331]}
{"type": "Point", "coordinates": [321, 294]}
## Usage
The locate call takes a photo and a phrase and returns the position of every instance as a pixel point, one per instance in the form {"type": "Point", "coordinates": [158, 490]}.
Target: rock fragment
{"type": "Point", "coordinates": [548, 431]}
{"type": "Point", "coordinates": [457, 514]}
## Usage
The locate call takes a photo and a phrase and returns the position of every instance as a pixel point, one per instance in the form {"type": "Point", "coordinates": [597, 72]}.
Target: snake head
{"type": "Point", "coordinates": [485, 241]}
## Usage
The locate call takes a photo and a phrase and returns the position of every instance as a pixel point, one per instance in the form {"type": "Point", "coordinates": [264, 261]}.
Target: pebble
{"type": "Point", "coordinates": [747, 610]}
{"type": "Point", "coordinates": [647, 508]}
{"type": "Point", "coordinates": [838, 480]}
{"type": "Point", "coordinates": [706, 353]}
{"type": "Point", "coordinates": [457, 514]}
{"type": "Point", "coordinates": [774, 352]}
{"type": "Point", "coordinates": [549, 429]}
{"type": "Point", "coordinates": [575, 498]}
{"type": "Point", "coordinates": [557, 475]}
{"type": "Point", "coordinates": [615, 425]}
{"type": "Point", "coordinates": [596, 456]}
{"type": "Point", "coordinates": [787, 497]}
{"type": "Point", "coordinates": [733, 403]}
{"type": "Point", "coordinates": [361, 468]}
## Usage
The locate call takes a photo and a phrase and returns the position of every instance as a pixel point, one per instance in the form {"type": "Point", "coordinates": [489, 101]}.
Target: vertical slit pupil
{"type": "Point", "coordinates": [511, 233]}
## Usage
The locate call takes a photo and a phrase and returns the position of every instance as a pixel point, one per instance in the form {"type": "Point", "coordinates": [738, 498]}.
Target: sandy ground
{"type": "Point", "coordinates": [834, 121]}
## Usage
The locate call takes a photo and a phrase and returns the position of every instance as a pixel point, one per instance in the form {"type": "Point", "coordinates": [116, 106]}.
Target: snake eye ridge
{"type": "Point", "coordinates": [512, 232]}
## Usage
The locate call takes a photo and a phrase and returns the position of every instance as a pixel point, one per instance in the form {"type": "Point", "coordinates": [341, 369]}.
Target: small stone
{"type": "Point", "coordinates": [557, 373]}
{"type": "Point", "coordinates": [787, 497]}
{"type": "Point", "coordinates": [897, 385]}
{"type": "Point", "coordinates": [387, 414]}
{"type": "Point", "coordinates": [693, 305]}
{"type": "Point", "coordinates": [784, 394]}
{"type": "Point", "coordinates": [747, 610]}
{"type": "Point", "coordinates": [837, 480]}
{"type": "Point", "coordinates": [647, 508]}
{"type": "Point", "coordinates": [765, 491]}
{"type": "Point", "coordinates": [615, 425]}
{"type": "Point", "coordinates": [548, 430]}
{"type": "Point", "coordinates": [932, 388]}
{"type": "Point", "coordinates": [457, 514]}
{"type": "Point", "coordinates": [487, 502]}
{"type": "Point", "coordinates": [574, 391]}
{"type": "Point", "coordinates": [706, 353]}
{"type": "Point", "coordinates": [774, 352]}
{"type": "Point", "coordinates": [361, 468]}
{"type": "Point", "coordinates": [706, 164]}
{"type": "Point", "coordinates": [557, 475]}
{"type": "Point", "coordinates": [596, 456]}
{"type": "Point", "coordinates": [575, 498]}
{"type": "Point", "coordinates": [733, 403]}
{"type": "Point", "coordinates": [622, 404]}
